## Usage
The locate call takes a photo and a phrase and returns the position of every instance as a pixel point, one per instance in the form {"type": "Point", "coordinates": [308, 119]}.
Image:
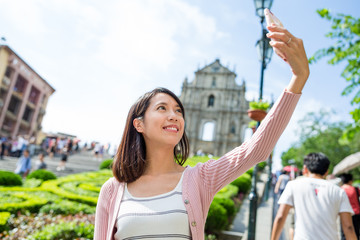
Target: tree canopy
{"type": "Point", "coordinates": [319, 134]}
{"type": "Point", "coordinates": [345, 31]}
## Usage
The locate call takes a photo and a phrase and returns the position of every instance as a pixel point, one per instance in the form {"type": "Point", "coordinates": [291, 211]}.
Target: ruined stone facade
{"type": "Point", "coordinates": [216, 110]}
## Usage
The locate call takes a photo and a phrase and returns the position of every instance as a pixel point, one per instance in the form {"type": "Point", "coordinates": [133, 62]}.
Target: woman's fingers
{"type": "Point", "coordinates": [290, 49]}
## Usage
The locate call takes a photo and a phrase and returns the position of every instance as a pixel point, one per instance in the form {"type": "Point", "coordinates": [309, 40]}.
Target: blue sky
{"type": "Point", "coordinates": [100, 56]}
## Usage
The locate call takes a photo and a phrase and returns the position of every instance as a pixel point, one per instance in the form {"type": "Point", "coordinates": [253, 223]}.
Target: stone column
{"type": "Point", "coordinates": [36, 114]}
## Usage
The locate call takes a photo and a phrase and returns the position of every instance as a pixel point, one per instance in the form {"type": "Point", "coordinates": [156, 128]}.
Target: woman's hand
{"type": "Point", "coordinates": [291, 50]}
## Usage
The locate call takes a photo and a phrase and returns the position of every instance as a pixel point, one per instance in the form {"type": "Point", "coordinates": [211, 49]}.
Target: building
{"type": "Point", "coordinates": [215, 110]}
{"type": "Point", "coordinates": [24, 95]}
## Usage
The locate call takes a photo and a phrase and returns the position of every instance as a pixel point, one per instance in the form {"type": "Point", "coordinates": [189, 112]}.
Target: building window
{"type": "Point", "coordinates": [34, 95]}
{"type": "Point", "coordinates": [28, 114]}
{"type": "Point", "coordinates": [233, 129]}
{"type": "Point", "coordinates": [9, 72]}
{"type": "Point", "coordinates": [208, 131]}
{"type": "Point", "coordinates": [213, 84]}
{"type": "Point", "coordinates": [14, 105]}
{"type": "Point", "coordinates": [211, 101]}
{"type": "Point", "coordinates": [20, 85]}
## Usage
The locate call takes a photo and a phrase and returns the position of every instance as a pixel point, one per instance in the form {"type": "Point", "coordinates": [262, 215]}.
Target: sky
{"type": "Point", "coordinates": [100, 56]}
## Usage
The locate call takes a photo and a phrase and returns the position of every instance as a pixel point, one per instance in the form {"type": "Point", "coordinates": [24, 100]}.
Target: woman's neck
{"type": "Point", "coordinates": [160, 161]}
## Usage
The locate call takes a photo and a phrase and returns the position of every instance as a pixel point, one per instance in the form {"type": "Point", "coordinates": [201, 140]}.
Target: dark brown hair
{"type": "Point", "coordinates": [130, 163]}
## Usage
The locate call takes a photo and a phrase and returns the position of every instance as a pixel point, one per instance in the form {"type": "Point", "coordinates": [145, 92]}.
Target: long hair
{"type": "Point", "coordinates": [130, 159]}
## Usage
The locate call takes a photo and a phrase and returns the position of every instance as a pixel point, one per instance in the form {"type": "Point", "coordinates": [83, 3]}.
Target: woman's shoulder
{"type": "Point", "coordinates": [111, 185]}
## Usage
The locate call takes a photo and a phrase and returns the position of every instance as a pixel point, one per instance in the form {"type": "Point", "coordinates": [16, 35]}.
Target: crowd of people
{"type": "Point", "coordinates": [314, 202]}
{"type": "Point", "coordinates": [25, 148]}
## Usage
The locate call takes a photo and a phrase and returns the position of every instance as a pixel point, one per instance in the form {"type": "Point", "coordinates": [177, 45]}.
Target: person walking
{"type": "Point", "coordinates": [317, 204]}
{"type": "Point", "coordinates": [281, 182]}
{"type": "Point", "coordinates": [152, 196]}
{"type": "Point", "coordinates": [353, 195]}
{"type": "Point", "coordinates": [23, 166]}
{"type": "Point", "coordinates": [40, 164]}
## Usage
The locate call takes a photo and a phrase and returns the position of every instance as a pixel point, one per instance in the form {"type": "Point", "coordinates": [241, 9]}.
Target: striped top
{"type": "Point", "coordinates": [159, 217]}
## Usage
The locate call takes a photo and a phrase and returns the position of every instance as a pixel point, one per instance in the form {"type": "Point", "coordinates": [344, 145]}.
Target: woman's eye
{"type": "Point", "coordinates": [179, 110]}
{"type": "Point", "coordinates": [161, 108]}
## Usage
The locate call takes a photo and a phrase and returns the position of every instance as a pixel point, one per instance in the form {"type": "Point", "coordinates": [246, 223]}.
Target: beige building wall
{"type": "Point", "coordinates": [216, 110]}
{"type": "Point", "coordinates": [23, 96]}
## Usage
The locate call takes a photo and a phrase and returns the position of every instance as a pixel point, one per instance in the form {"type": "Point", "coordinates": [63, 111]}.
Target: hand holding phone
{"type": "Point", "coordinates": [271, 18]}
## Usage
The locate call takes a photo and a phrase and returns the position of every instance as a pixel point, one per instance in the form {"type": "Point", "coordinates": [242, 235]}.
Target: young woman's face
{"type": "Point", "coordinates": [163, 121]}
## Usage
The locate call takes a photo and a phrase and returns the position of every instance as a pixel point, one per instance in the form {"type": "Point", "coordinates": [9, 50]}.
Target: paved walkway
{"type": "Point", "coordinates": [76, 163]}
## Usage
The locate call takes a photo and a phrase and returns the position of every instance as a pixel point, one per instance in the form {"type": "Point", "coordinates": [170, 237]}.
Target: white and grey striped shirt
{"type": "Point", "coordinates": [159, 217]}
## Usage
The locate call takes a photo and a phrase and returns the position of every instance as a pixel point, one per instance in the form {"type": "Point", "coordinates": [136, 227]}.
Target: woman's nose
{"type": "Point", "coordinates": [173, 116]}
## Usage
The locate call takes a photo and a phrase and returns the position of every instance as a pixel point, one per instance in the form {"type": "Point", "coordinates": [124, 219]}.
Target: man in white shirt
{"type": "Point", "coordinates": [316, 202]}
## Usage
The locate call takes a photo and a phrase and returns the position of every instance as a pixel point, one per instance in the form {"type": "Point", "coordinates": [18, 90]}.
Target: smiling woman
{"type": "Point", "coordinates": [152, 196]}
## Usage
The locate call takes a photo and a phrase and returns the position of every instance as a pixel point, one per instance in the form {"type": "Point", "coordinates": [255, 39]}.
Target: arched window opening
{"type": "Point", "coordinates": [232, 129]}
{"type": "Point", "coordinates": [208, 131]}
{"type": "Point", "coordinates": [211, 101]}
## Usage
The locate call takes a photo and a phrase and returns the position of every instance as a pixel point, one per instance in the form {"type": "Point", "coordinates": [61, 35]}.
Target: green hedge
{"type": "Point", "coordinates": [106, 164]}
{"type": "Point", "coordinates": [217, 218]}
{"type": "Point", "coordinates": [4, 217]}
{"type": "Point", "coordinates": [228, 191]}
{"type": "Point", "coordinates": [9, 179]}
{"type": "Point", "coordinates": [42, 175]}
{"type": "Point", "coordinates": [243, 183]}
{"type": "Point", "coordinates": [66, 207]}
{"type": "Point", "coordinates": [31, 202]}
{"type": "Point", "coordinates": [228, 204]}
{"type": "Point", "coordinates": [64, 230]}
{"type": "Point", "coordinates": [262, 165]}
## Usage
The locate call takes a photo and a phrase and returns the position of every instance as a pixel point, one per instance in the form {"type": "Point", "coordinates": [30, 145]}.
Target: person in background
{"type": "Point", "coordinates": [317, 203]}
{"type": "Point", "coordinates": [353, 195]}
{"type": "Point", "coordinates": [40, 164]}
{"type": "Point", "coordinates": [281, 182]}
{"type": "Point", "coordinates": [23, 166]}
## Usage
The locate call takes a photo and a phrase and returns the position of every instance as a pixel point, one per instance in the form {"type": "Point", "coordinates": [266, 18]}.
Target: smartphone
{"type": "Point", "coordinates": [271, 18]}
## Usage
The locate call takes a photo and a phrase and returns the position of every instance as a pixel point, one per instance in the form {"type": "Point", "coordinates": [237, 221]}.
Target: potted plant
{"type": "Point", "coordinates": [252, 124]}
{"type": "Point", "coordinates": [257, 111]}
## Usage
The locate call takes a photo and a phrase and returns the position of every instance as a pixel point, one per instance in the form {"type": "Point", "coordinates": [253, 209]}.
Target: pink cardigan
{"type": "Point", "coordinates": [202, 182]}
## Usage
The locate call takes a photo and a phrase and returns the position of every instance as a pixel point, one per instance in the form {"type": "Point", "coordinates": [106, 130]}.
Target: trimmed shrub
{"type": "Point", "coordinates": [9, 179]}
{"type": "Point", "coordinates": [262, 165]}
{"type": "Point", "coordinates": [243, 183]}
{"type": "Point", "coordinates": [67, 207]}
{"type": "Point", "coordinates": [32, 183]}
{"type": "Point", "coordinates": [228, 204]}
{"type": "Point", "coordinates": [31, 203]}
{"type": "Point", "coordinates": [250, 171]}
{"type": "Point", "coordinates": [217, 219]}
{"type": "Point", "coordinates": [228, 191]}
{"type": "Point", "coordinates": [64, 230]}
{"type": "Point", "coordinates": [4, 217]}
{"type": "Point", "coordinates": [42, 175]}
{"type": "Point", "coordinates": [106, 164]}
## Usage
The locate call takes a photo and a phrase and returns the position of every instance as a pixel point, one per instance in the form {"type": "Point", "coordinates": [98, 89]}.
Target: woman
{"type": "Point", "coordinates": [153, 196]}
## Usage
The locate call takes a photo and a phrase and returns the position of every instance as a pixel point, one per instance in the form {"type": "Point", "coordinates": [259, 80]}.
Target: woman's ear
{"type": "Point", "coordinates": [138, 125]}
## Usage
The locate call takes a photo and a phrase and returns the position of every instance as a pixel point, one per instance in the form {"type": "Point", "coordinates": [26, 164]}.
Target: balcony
{"type": "Point", "coordinates": [11, 115]}
{"type": "Point", "coordinates": [24, 123]}
{"type": "Point", "coordinates": [6, 81]}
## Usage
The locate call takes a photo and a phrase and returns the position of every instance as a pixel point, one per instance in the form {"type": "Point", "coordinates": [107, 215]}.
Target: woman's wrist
{"type": "Point", "coordinates": [297, 84]}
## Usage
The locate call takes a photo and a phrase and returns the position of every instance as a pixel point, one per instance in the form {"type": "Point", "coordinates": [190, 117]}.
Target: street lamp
{"type": "Point", "coordinates": [265, 52]}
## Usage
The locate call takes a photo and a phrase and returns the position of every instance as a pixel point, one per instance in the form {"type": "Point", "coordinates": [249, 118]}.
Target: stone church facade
{"type": "Point", "coordinates": [215, 110]}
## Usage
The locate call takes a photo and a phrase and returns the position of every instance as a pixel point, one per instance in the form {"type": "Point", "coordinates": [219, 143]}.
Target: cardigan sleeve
{"type": "Point", "coordinates": [215, 174]}
{"type": "Point", "coordinates": [102, 211]}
